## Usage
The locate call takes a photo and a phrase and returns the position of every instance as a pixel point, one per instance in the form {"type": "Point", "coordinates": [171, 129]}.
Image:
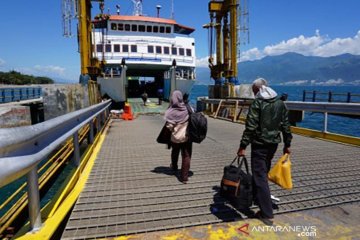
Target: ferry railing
{"type": "Point", "coordinates": [347, 109]}
{"type": "Point", "coordinates": [158, 57]}
{"type": "Point", "coordinates": [23, 148]}
{"type": "Point", "coordinates": [316, 96]}
{"type": "Point", "coordinates": [350, 109]}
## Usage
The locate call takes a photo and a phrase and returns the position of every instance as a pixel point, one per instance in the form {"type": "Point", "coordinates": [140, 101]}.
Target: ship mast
{"type": "Point", "coordinates": [172, 9]}
{"type": "Point", "coordinates": [137, 7]}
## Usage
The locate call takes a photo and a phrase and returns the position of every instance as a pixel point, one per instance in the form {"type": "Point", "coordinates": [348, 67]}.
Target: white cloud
{"type": "Point", "coordinates": [251, 54]}
{"type": "Point", "coordinates": [301, 44]}
{"type": "Point", "coordinates": [38, 70]}
{"type": "Point", "coordinates": [340, 46]}
{"type": "Point", "coordinates": [297, 82]}
{"type": "Point", "coordinates": [331, 82]}
{"type": "Point", "coordinates": [317, 45]}
{"type": "Point", "coordinates": [50, 69]}
{"type": "Point", "coordinates": [202, 62]}
{"type": "Point", "coordinates": [55, 72]}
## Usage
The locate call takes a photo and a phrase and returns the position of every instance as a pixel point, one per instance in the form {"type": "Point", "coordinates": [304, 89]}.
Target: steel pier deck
{"type": "Point", "coordinates": [131, 188]}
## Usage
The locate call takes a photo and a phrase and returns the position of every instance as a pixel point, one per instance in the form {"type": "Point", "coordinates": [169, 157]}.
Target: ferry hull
{"type": "Point", "coordinates": [184, 85]}
{"type": "Point", "coordinates": [116, 87]}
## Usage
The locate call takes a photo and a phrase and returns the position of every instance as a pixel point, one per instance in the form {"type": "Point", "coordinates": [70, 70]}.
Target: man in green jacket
{"type": "Point", "coordinates": [266, 120]}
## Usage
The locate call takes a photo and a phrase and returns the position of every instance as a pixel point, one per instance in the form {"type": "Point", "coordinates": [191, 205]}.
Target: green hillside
{"type": "Point", "coordinates": [17, 78]}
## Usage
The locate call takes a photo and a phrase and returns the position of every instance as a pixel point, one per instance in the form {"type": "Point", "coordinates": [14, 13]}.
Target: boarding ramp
{"type": "Point", "coordinates": [131, 188]}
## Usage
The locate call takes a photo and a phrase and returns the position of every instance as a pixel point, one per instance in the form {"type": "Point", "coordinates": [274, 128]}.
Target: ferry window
{"type": "Point", "coordinates": [116, 47]}
{"type": "Point", "coordinates": [134, 27]}
{"type": "Point", "coordinates": [113, 26]}
{"type": "Point", "coordinates": [158, 49]}
{"type": "Point", "coordinates": [127, 27]}
{"type": "Point", "coordinates": [150, 49]}
{"type": "Point", "coordinates": [156, 29]}
{"type": "Point", "coordinates": [125, 48]}
{"type": "Point", "coordinates": [149, 28]}
{"type": "Point", "coordinates": [133, 48]}
{"type": "Point", "coordinates": [99, 47]}
{"type": "Point", "coordinates": [166, 50]}
{"type": "Point", "coordinates": [168, 29]}
{"type": "Point", "coordinates": [121, 26]}
{"type": "Point", "coordinates": [188, 52]}
{"type": "Point", "coordinates": [174, 51]}
{"type": "Point", "coordinates": [181, 52]}
{"type": "Point", "coordinates": [108, 48]}
{"type": "Point", "coordinates": [141, 28]}
{"type": "Point", "coordinates": [162, 29]}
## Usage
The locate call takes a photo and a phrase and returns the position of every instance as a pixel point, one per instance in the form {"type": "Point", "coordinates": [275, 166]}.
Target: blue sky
{"type": "Point", "coordinates": [31, 38]}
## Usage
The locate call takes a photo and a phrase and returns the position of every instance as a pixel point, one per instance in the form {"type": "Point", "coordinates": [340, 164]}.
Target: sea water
{"type": "Point", "coordinates": [336, 124]}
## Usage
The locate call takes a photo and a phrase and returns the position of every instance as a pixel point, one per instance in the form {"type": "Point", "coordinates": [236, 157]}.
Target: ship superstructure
{"type": "Point", "coordinates": [150, 49]}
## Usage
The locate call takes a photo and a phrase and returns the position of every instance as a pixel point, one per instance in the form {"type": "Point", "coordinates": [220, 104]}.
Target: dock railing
{"type": "Point", "coordinates": [216, 108]}
{"type": "Point", "coordinates": [330, 96]}
{"type": "Point", "coordinates": [347, 109]}
{"type": "Point", "coordinates": [23, 148]}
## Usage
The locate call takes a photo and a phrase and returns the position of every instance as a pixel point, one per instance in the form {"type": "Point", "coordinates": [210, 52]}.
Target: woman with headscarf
{"type": "Point", "coordinates": [176, 117]}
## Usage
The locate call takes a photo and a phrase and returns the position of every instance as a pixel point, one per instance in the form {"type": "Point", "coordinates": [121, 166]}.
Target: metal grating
{"type": "Point", "coordinates": [131, 189]}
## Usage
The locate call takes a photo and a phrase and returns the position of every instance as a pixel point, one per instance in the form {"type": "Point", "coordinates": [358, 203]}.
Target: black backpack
{"type": "Point", "coordinates": [236, 185]}
{"type": "Point", "coordinates": [197, 127]}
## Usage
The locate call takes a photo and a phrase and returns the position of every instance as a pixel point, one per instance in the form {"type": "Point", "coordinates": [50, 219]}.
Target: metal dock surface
{"type": "Point", "coordinates": [132, 190]}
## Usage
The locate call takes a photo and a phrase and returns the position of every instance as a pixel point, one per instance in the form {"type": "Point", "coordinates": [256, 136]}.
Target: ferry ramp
{"type": "Point", "coordinates": [132, 190]}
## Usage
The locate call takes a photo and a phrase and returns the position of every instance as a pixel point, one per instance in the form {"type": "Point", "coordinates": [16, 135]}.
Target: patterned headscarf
{"type": "Point", "coordinates": [177, 111]}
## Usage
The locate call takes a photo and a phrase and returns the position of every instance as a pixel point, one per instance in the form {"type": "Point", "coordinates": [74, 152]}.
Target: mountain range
{"type": "Point", "coordinates": [296, 69]}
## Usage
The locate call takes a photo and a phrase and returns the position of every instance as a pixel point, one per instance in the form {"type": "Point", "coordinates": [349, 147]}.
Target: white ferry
{"type": "Point", "coordinates": [143, 54]}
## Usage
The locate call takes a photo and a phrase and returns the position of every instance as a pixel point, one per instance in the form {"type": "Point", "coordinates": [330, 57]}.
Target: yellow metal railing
{"type": "Point", "coordinates": [54, 213]}
{"type": "Point", "coordinates": [327, 136]}
{"type": "Point", "coordinates": [52, 166]}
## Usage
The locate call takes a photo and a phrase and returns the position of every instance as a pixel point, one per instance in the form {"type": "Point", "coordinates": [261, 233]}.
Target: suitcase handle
{"type": "Point", "coordinates": [239, 163]}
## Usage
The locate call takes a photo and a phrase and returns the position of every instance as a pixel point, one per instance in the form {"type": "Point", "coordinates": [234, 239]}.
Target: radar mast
{"type": "Point", "coordinates": [137, 7]}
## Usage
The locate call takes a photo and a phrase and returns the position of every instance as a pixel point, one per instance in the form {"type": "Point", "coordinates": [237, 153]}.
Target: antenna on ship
{"type": "Point", "coordinates": [137, 7]}
{"type": "Point", "coordinates": [158, 7]}
{"type": "Point", "coordinates": [69, 12]}
{"type": "Point", "coordinates": [172, 9]}
{"type": "Point", "coordinates": [243, 27]}
{"type": "Point", "coordinates": [117, 9]}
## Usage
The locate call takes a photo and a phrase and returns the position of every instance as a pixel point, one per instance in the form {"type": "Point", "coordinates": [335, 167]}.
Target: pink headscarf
{"type": "Point", "coordinates": [177, 111]}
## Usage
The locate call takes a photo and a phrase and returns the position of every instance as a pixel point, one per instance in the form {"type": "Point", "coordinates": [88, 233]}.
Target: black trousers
{"type": "Point", "coordinates": [261, 156]}
{"type": "Point", "coordinates": [186, 152]}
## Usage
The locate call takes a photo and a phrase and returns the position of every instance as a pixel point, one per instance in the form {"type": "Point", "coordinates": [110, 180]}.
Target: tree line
{"type": "Point", "coordinates": [17, 78]}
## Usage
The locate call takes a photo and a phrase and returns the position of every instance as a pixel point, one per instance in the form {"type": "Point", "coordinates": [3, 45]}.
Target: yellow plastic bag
{"type": "Point", "coordinates": [280, 174]}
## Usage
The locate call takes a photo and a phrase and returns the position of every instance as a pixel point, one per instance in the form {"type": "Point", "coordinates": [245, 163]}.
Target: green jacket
{"type": "Point", "coordinates": [266, 119]}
